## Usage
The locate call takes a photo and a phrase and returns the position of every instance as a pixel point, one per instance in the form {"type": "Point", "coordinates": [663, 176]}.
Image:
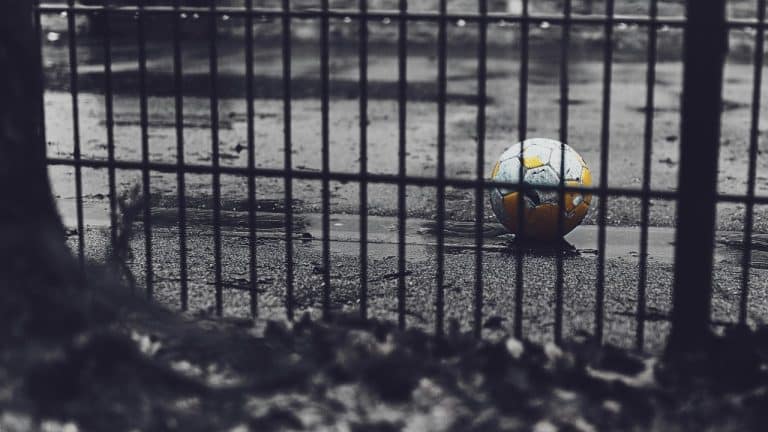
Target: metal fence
{"type": "Point", "coordinates": [402, 16]}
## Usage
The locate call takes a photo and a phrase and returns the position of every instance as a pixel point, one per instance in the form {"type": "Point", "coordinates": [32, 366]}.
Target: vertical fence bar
{"type": "Point", "coordinates": [754, 136]}
{"type": "Point", "coordinates": [482, 75]}
{"type": "Point", "coordinates": [647, 148]}
{"type": "Point", "coordinates": [559, 275]}
{"type": "Point", "coordinates": [402, 85]}
{"type": "Point", "coordinates": [287, 157]}
{"type": "Point", "coordinates": [144, 122]}
{"type": "Point", "coordinates": [705, 42]}
{"type": "Point", "coordinates": [604, 147]}
{"type": "Point", "coordinates": [178, 91]}
{"type": "Point", "coordinates": [214, 99]}
{"type": "Point", "coordinates": [252, 264]}
{"type": "Point", "coordinates": [41, 84]}
{"type": "Point", "coordinates": [441, 89]}
{"type": "Point", "coordinates": [363, 54]}
{"type": "Point", "coordinates": [522, 130]}
{"type": "Point", "coordinates": [74, 90]}
{"type": "Point", "coordinates": [324, 108]}
{"type": "Point", "coordinates": [110, 123]}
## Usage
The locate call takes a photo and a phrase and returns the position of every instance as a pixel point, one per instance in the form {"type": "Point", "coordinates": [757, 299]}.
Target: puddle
{"type": "Point", "coordinates": [460, 238]}
{"type": "Point", "coordinates": [276, 205]}
{"type": "Point", "coordinates": [734, 248]}
{"type": "Point", "coordinates": [421, 240]}
{"type": "Point", "coordinates": [98, 216]}
{"type": "Point", "coordinates": [563, 248]}
{"type": "Point", "coordinates": [462, 229]}
{"type": "Point", "coordinates": [232, 86]}
{"type": "Point", "coordinates": [229, 219]}
{"type": "Point", "coordinates": [736, 240]}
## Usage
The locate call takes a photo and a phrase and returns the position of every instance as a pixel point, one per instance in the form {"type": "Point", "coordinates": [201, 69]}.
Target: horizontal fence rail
{"type": "Point", "coordinates": [491, 17]}
{"type": "Point", "coordinates": [478, 182]}
{"type": "Point", "coordinates": [386, 179]}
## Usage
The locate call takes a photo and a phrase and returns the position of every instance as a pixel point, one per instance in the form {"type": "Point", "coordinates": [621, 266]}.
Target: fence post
{"type": "Point", "coordinates": [704, 54]}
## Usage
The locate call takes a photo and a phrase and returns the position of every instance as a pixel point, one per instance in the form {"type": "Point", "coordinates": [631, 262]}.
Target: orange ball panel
{"type": "Point", "coordinates": [541, 222]}
{"type": "Point", "coordinates": [575, 219]}
{"type": "Point", "coordinates": [510, 203]}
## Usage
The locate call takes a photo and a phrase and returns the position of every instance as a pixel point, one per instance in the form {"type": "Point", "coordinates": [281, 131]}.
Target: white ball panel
{"type": "Point", "coordinates": [545, 176]}
{"type": "Point", "coordinates": [509, 171]}
{"type": "Point", "coordinates": [573, 166]}
{"type": "Point", "coordinates": [497, 201]}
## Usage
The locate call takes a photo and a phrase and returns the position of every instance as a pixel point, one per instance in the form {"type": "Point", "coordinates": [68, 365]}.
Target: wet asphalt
{"type": "Point", "coordinates": [498, 275]}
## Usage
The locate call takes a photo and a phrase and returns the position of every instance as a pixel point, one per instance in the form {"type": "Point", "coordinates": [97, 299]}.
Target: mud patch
{"type": "Point", "coordinates": [574, 102]}
{"type": "Point", "coordinates": [266, 87]}
{"type": "Point", "coordinates": [736, 240]}
{"type": "Point", "coordinates": [269, 205]}
{"type": "Point", "coordinates": [230, 219]}
{"type": "Point", "coordinates": [167, 120]}
{"type": "Point", "coordinates": [542, 249]}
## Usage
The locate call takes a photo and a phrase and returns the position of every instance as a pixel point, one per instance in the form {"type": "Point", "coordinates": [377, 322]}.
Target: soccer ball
{"type": "Point", "coordinates": [541, 159]}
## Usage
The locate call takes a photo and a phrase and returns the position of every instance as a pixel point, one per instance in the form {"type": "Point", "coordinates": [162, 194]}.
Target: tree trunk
{"type": "Point", "coordinates": [26, 199]}
{"type": "Point", "coordinates": [38, 274]}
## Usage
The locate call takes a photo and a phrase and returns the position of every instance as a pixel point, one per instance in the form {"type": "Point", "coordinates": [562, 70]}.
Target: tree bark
{"type": "Point", "coordinates": [26, 199]}
{"type": "Point", "coordinates": [39, 278]}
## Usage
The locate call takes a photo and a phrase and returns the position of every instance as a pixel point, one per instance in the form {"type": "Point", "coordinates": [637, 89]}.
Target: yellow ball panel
{"type": "Point", "coordinates": [586, 176]}
{"type": "Point", "coordinates": [495, 170]}
{"type": "Point", "coordinates": [532, 162]}
{"type": "Point", "coordinates": [586, 180]}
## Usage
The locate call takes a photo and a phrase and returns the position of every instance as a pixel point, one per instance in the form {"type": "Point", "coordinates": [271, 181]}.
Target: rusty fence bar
{"type": "Point", "coordinates": [522, 130]}
{"type": "Point", "coordinates": [250, 112]}
{"type": "Point", "coordinates": [563, 136]}
{"type": "Point", "coordinates": [442, 71]}
{"type": "Point", "coordinates": [326, 192]}
{"type": "Point", "coordinates": [288, 155]}
{"type": "Point", "coordinates": [754, 136]}
{"type": "Point", "coordinates": [482, 72]}
{"type": "Point", "coordinates": [109, 120]}
{"type": "Point", "coordinates": [180, 178]}
{"type": "Point", "coordinates": [647, 148]}
{"type": "Point", "coordinates": [402, 86]}
{"type": "Point", "coordinates": [602, 210]}
{"type": "Point", "coordinates": [144, 122]}
{"type": "Point", "coordinates": [363, 59]}
{"type": "Point", "coordinates": [73, 88]}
